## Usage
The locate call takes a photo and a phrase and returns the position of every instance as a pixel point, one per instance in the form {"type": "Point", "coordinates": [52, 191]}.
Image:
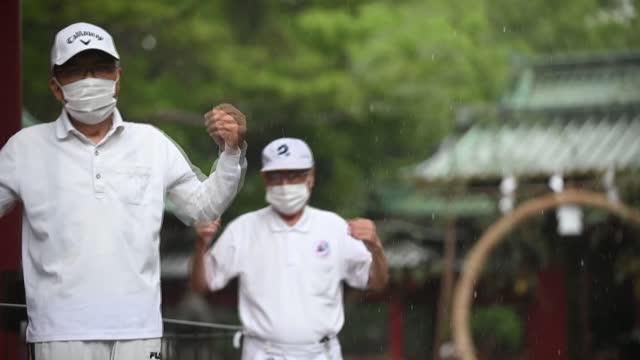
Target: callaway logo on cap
{"type": "Point", "coordinates": [79, 37]}
{"type": "Point", "coordinates": [286, 154]}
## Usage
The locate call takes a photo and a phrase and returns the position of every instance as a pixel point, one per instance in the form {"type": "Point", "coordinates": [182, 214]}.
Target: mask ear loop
{"type": "Point", "coordinates": [309, 184]}
{"type": "Point", "coordinates": [57, 82]}
{"type": "Point", "coordinates": [115, 85]}
{"type": "Point", "coordinates": [61, 89]}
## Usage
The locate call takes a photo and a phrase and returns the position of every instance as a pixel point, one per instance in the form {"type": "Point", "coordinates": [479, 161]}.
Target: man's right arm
{"type": "Point", "coordinates": [8, 177]}
{"type": "Point", "coordinates": [212, 269]}
{"type": "Point", "coordinates": [205, 233]}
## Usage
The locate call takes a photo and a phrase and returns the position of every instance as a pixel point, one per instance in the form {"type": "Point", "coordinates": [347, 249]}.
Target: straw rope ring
{"type": "Point", "coordinates": [495, 234]}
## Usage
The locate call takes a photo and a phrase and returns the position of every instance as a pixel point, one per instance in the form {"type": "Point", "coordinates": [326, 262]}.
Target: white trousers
{"type": "Point", "coordinates": [96, 350]}
{"type": "Point", "coordinates": [255, 349]}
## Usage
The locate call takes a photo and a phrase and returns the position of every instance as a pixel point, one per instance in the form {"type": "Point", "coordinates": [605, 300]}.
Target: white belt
{"type": "Point", "coordinates": [323, 346]}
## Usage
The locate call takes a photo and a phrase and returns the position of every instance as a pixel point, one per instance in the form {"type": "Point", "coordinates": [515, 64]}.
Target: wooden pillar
{"type": "Point", "coordinates": [547, 325]}
{"type": "Point", "coordinates": [578, 326]}
{"type": "Point", "coordinates": [396, 325]}
{"type": "Point", "coordinates": [446, 288]}
{"type": "Point", "coordinates": [11, 346]}
{"type": "Point", "coordinates": [11, 115]}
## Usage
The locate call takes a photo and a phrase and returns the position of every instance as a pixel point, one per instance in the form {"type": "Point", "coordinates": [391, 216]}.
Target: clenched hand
{"type": "Point", "coordinates": [227, 126]}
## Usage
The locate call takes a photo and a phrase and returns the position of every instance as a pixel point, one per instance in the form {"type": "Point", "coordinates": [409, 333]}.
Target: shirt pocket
{"type": "Point", "coordinates": [131, 183]}
{"type": "Point", "coordinates": [322, 278]}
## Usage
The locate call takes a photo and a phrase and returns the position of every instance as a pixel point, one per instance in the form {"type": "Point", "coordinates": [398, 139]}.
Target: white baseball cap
{"type": "Point", "coordinates": [286, 154]}
{"type": "Point", "coordinates": [79, 37]}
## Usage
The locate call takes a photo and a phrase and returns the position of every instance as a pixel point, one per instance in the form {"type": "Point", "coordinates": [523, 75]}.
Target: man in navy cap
{"type": "Point", "coordinates": [291, 260]}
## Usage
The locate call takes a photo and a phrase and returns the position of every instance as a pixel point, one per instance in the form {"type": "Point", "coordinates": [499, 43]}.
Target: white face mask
{"type": "Point", "coordinates": [90, 100]}
{"type": "Point", "coordinates": [288, 199]}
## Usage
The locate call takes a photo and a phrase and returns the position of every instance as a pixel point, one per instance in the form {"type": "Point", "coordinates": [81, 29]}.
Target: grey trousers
{"type": "Point", "coordinates": [147, 349]}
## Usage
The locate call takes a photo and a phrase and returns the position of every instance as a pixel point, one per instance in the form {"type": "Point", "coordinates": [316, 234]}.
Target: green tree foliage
{"type": "Point", "coordinates": [371, 85]}
{"type": "Point", "coordinates": [499, 330]}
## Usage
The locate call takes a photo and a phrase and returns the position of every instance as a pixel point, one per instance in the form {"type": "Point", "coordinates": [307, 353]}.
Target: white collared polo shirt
{"type": "Point", "coordinates": [91, 223]}
{"type": "Point", "coordinates": [291, 278]}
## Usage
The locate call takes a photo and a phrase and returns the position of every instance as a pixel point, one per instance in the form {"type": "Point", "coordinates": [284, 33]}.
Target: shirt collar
{"type": "Point", "coordinates": [64, 127]}
{"type": "Point", "coordinates": [277, 224]}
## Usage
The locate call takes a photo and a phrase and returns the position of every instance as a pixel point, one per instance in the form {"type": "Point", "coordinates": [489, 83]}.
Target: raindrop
{"type": "Point", "coordinates": [475, 294]}
{"type": "Point", "coordinates": [504, 29]}
{"type": "Point", "coordinates": [149, 42]}
{"type": "Point", "coordinates": [582, 263]}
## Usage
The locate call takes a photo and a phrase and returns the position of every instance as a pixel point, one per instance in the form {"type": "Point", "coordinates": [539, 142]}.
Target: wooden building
{"type": "Point", "coordinates": [571, 275]}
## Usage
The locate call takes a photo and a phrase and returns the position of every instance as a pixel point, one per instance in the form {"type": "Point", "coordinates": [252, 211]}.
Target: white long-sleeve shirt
{"type": "Point", "coordinates": [91, 223]}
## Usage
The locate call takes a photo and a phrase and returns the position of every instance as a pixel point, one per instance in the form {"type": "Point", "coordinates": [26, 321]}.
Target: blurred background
{"type": "Point", "coordinates": [433, 117]}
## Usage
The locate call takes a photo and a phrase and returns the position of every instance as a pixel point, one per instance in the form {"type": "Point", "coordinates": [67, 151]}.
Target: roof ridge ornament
{"type": "Point", "coordinates": [569, 217]}
{"type": "Point", "coordinates": [508, 187]}
{"type": "Point", "coordinates": [609, 182]}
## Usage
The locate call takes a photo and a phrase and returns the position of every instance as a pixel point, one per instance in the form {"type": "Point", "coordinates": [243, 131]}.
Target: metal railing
{"type": "Point", "coordinates": [194, 340]}
{"type": "Point", "coordinates": [182, 340]}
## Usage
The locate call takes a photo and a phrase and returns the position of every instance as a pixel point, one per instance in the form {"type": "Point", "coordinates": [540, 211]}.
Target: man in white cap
{"type": "Point", "coordinates": [291, 260]}
{"type": "Point", "coordinates": [93, 189]}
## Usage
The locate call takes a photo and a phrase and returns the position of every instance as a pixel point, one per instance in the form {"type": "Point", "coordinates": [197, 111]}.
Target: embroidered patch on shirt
{"type": "Point", "coordinates": [322, 248]}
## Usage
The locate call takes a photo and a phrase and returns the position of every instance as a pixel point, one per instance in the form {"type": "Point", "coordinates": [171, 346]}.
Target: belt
{"type": "Point", "coordinates": [323, 345]}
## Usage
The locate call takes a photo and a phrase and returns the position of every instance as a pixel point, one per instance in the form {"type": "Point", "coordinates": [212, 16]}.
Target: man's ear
{"type": "Point", "coordinates": [56, 90]}
{"type": "Point", "coordinates": [264, 179]}
{"type": "Point", "coordinates": [118, 83]}
{"type": "Point", "coordinates": [312, 178]}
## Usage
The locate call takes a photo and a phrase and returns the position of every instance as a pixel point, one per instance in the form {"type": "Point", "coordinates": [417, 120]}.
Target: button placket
{"type": "Point", "coordinates": [291, 244]}
{"type": "Point", "coordinates": [98, 172]}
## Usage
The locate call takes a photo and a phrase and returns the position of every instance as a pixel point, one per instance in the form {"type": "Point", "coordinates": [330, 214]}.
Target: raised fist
{"type": "Point", "coordinates": [365, 231]}
{"type": "Point", "coordinates": [226, 125]}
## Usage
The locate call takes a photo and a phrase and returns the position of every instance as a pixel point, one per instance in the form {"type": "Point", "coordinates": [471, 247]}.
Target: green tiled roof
{"type": "Point", "coordinates": [536, 148]}
{"type": "Point", "coordinates": [413, 203]}
{"type": "Point", "coordinates": [577, 82]}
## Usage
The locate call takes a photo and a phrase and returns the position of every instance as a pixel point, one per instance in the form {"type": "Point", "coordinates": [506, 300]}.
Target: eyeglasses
{"type": "Point", "coordinates": [289, 175]}
{"type": "Point", "coordinates": [80, 72]}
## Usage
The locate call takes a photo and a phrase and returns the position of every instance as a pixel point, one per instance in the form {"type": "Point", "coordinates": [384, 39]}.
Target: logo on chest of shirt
{"type": "Point", "coordinates": [322, 248]}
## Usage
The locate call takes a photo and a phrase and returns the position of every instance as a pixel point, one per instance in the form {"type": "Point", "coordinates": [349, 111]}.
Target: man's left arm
{"type": "Point", "coordinates": [365, 231]}
{"type": "Point", "coordinates": [236, 130]}
{"type": "Point", "coordinates": [198, 200]}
